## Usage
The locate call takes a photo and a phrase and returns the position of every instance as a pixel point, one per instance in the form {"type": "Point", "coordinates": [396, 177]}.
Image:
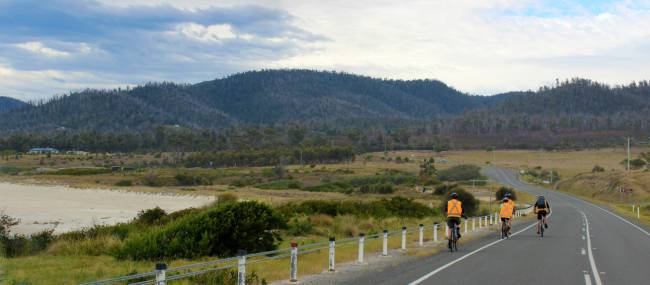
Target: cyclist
{"type": "Point", "coordinates": [454, 209]}
{"type": "Point", "coordinates": [542, 208]}
{"type": "Point", "coordinates": [507, 210]}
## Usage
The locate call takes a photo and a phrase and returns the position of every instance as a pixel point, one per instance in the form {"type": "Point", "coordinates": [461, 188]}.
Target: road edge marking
{"type": "Point", "coordinates": [592, 262]}
{"type": "Point", "coordinates": [428, 275]}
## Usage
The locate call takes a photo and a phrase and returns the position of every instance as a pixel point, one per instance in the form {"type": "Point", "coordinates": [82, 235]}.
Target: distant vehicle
{"type": "Point", "coordinates": [43, 150]}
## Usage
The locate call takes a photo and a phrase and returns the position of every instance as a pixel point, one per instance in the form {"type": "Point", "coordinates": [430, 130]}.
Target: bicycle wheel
{"type": "Point", "coordinates": [541, 229]}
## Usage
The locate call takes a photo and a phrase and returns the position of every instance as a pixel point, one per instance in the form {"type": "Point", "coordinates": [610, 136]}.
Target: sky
{"type": "Point", "coordinates": [481, 47]}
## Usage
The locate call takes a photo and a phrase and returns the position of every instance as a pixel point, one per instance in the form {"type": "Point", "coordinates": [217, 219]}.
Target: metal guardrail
{"type": "Point", "coordinates": [162, 274]}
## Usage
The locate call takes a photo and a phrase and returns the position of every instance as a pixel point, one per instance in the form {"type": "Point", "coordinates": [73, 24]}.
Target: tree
{"type": "Point", "coordinates": [469, 203]}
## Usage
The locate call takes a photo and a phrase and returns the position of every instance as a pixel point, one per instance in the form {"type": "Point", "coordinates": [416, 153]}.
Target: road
{"type": "Point", "coordinates": [585, 244]}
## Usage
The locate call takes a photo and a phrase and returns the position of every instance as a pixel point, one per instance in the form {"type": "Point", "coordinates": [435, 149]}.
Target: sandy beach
{"type": "Point", "coordinates": [65, 209]}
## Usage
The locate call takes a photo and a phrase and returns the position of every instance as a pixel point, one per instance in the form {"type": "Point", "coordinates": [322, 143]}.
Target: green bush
{"type": "Point", "coordinates": [151, 216]}
{"type": "Point", "coordinates": [460, 173]}
{"type": "Point", "coordinates": [80, 171]}
{"type": "Point", "coordinates": [598, 168]}
{"type": "Point", "coordinates": [501, 193]}
{"type": "Point", "coordinates": [444, 189]}
{"type": "Point", "coordinates": [300, 227]}
{"type": "Point", "coordinates": [124, 183]}
{"type": "Point", "coordinates": [339, 186]}
{"type": "Point", "coordinates": [226, 277]}
{"type": "Point", "coordinates": [189, 179]}
{"type": "Point", "coordinates": [470, 204]}
{"type": "Point", "coordinates": [395, 177]}
{"type": "Point", "coordinates": [219, 231]}
{"type": "Point", "coordinates": [380, 188]}
{"type": "Point", "coordinates": [394, 207]}
{"type": "Point", "coordinates": [280, 185]}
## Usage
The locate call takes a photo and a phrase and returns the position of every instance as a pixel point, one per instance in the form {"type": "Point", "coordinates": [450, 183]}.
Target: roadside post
{"type": "Point", "coordinates": [331, 255]}
{"type": "Point", "coordinates": [466, 223]}
{"type": "Point", "coordinates": [403, 237]}
{"type": "Point", "coordinates": [435, 232]}
{"type": "Point", "coordinates": [161, 269]}
{"type": "Point", "coordinates": [384, 251]}
{"type": "Point", "coordinates": [241, 268]}
{"type": "Point", "coordinates": [421, 237]}
{"type": "Point", "coordinates": [293, 273]}
{"type": "Point", "coordinates": [638, 212]}
{"type": "Point", "coordinates": [473, 223]}
{"type": "Point", "coordinates": [362, 241]}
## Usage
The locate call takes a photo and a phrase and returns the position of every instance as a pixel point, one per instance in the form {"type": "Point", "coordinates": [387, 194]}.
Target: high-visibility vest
{"type": "Point", "coordinates": [454, 208]}
{"type": "Point", "coordinates": [507, 209]}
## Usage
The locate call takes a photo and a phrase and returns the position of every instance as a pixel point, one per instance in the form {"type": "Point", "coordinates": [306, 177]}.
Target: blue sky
{"type": "Point", "coordinates": [57, 46]}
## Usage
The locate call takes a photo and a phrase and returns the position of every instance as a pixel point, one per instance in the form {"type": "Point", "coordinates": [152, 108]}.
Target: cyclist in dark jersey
{"type": "Point", "coordinates": [542, 208]}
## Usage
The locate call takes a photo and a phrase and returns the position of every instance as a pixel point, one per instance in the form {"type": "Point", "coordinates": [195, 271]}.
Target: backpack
{"type": "Point", "coordinates": [541, 203]}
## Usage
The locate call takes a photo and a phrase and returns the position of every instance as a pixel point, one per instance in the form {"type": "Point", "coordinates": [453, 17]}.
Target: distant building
{"type": "Point", "coordinates": [42, 150]}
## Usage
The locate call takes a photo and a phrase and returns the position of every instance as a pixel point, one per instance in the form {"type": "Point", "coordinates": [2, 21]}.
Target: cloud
{"type": "Point", "coordinates": [481, 47]}
{"type": "Point", "coordinates": [139, 43]}
{"type": "Point", "coordinates": [39, 48]}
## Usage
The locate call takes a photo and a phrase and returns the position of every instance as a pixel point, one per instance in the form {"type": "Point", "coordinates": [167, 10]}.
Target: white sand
{"type": "Point", "coordinates": [65, 209]}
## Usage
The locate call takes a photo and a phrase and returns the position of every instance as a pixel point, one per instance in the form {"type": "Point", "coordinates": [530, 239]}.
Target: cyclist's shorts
{"type": "Point", "coordinates": [451, 221]}
{"type": "Point", "coordinates": [541, 213]}
{"type": "Point", "coordinates": [505, 220]}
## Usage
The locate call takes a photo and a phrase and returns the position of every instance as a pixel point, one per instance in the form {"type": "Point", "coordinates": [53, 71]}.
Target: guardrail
{"type": "Point", "coordinates": [162, 274]}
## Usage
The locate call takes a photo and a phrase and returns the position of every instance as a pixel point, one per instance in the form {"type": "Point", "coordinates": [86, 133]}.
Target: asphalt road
{"type": "Point", "coordinates": [584, 244]}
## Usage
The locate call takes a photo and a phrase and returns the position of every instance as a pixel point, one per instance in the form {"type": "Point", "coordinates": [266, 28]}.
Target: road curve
{"type": "Point", "coordinates": [585, 244]}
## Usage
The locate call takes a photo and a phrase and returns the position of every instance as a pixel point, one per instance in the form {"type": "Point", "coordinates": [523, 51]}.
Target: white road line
{"type": "Point", "coordinates": [582, 251]}
{"type": "Point", "coordinates": [594, 270]}
{"type": "Point", "coordinates": [428, 275]}
{"type": "Point", "coordinates": [622, 219]}
{"type": "Point", "coordinates": [587, 279]}
{"type": "Point", "coordinates": [594, 205]}
{"type": "Point", "coordinates": [583, 237]}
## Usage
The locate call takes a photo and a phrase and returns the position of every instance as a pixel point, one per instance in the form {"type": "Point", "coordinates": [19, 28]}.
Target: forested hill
{"type": "Point", "coordinates": [343, 101]}
{"type": "Point", "coordinates": [250, 98]}
{"type": "Point", "coordinates": [7, 104]}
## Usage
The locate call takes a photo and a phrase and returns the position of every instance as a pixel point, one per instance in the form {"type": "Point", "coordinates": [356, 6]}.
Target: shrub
{"type": "Point", "coordinates": [80, 171]}
{"type": "Point", "coordinates": [394, 207]}
{"type": "Point", "coordinates": [151, 179]}
{"type": "Point", "coordinates": [300, 227]}
{"type": "Point", "coordinates": [188, 179]}
{"type": "Point", "coordinates": [460, 173]}
{"type": "Point", "coordinates": [151, 216]}
{"type": "Point", "coordinates": [226, 277]}
{"type": "Point", "coordinates": [321, 220]}
{"type": "Point", "coordinates": [470, 204]}
{"type": "Point", "coordinates": [445, 189]}
{"type": "Point", "coordinates": [227, 198]}
{"type": "Point", "coordinates": [339, 186]}
{"type": "Point", "coordinates": [90, 246]}
{"type": "Point", "coordinates": [380, 188]}
{"type": "Point", "coordinates": [501, 193]}
{"type": "Point", "coordinates": [598, 168]}
{"type": "Point", "coordinates": [124, 183]}
{"type": "Point", "coordinates": [219, 231]}
{"type": "Point", "coordinates": [280, 185]}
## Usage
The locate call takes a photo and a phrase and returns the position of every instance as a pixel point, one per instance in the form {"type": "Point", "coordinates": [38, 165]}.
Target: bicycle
{"type": "Point", "coordinates": [505, 230]}
{"type": "Point", "coordinates": [453, 240]}
{"type": "Point", "coordinates": [540, 226]}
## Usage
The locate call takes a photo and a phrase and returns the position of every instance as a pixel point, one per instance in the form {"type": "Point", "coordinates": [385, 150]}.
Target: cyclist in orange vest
{"type": "Point", "coordinates": [454, 209]}
{"type": "Point", "coordinates": [507, 210]}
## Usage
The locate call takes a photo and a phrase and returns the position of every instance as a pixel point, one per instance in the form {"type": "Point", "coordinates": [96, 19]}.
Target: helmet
{"type": "Point", "coordinates": [454, 195]}
{"type": "Point", "coordinates": [540, 197]}
{"type": "Point", "coordinates": [508, 195]}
